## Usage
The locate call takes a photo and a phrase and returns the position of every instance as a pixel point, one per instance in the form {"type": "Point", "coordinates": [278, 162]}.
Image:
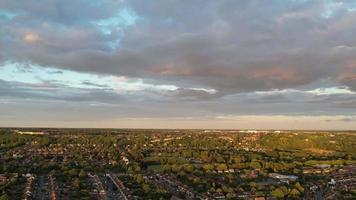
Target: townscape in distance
{"type": "Point", "coordinates": [176, 164]}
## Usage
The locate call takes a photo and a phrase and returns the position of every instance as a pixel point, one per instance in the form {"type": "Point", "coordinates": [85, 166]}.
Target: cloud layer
{"type": "Point", "coordinates": [180, 59]}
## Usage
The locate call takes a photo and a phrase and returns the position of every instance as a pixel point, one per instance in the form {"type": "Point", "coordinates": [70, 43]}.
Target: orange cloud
{"type": "Point", "coordinates": [170, 69]}
{"type": "Point", "coordinates": [31, 38]}
{"type": "Point", "coordinates": [269, 73]}
{"type": "Point", "coordinates": [348, 74]}
{"type": "Point", "coordinates": [275, 73]}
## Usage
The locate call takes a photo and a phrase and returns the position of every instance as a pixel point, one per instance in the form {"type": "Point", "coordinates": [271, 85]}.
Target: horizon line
{"type": "Point", "coordinates": [224, 129]}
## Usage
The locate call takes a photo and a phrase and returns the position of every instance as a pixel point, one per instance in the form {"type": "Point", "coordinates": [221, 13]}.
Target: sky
{"type": "Point", "coordinates": [227, 64]}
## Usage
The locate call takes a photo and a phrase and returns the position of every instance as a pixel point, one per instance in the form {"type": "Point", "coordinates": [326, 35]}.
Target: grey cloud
{"type": "Point", "coordinates": [348, 119]}
{"type": "Point", "coordinates": [192, 94]}
{"type": "Point", "coordinates": [63, 12]}
{"type": "Point", "coordinates": [227, 45]}
{"type": "Point", "coordinates": [234, 47]}
{"type": "Point", "coordinates": [89, 83]}
{"type": "Point", "coordinates": [53, 91]}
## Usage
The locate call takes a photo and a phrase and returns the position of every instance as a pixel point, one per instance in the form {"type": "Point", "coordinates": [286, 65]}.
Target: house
{"type": "Point", "coordinates": [125, 160]}
{"type": "Point", "coordinates": [3, 178]}
{"type": "Point", "coordinates": [260, 198]}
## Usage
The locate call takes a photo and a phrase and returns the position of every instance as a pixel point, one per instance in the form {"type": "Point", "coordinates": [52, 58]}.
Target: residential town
{"type": "Point", "coordinates": [133, 164]}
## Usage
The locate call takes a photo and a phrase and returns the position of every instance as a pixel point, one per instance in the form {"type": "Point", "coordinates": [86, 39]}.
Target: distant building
{"type": "Point", "coordinates": [260, 198]}
{"type": "Point", "coordinates": [29, 133]}
{"type": "Point", "coordinates": [323, 166]}
{"type": "Point", "coordinates": [125, 160]}
{"type": "Point", "coordinates": [283, 178]}
{"type": "Point", "coordinates": [3, 178]}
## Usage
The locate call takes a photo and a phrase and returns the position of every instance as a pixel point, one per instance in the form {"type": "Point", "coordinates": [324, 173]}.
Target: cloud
{"type": "Point", "coordinates": [348, 76]}
{"type": "Point", "coordinates": [229, 57]}
{"type": "Point", "coordinates": [31, 38]}
{"type": "Point", "coordinates": [346, 119]}
{"type": "Point", "coordinates": [22, 78]}
{"type": "Point", "coordinates": [247, 47]}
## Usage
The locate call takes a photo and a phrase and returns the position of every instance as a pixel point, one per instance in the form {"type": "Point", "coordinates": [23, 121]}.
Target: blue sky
{"type": "Point", "coordinates": [175, 64]}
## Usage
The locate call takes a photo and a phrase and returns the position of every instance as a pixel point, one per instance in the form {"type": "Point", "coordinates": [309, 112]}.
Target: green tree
{"type": "Point", "coordinates": [230, 195]}
{"type": "Point", "coordinates": [227, 189]}
{"type": "Point", "coordinates": [82, 173]}
{"type": "Point", "coordinates": [278, 193]}
{"type": "Point", "coordinates": [299, 187]}
{"type": "Point", "coordinates": [221, 167]}
{"type": "Point", "coordinates": [294, 193]}
{"type": "Point", "coordinates": [5, 168]}
{"type": "Point", "coordinates": [255, 165]}
{"type": "Point", "coordinates": [208, 167]}
{"type": "Point", "coordinates": [188, 168]}
{"type": "Point", "coordinates": [175, 168]}
{"type": "Point", "coordinates": [139, 178]}
{"type": "Point", "coordinates": [76, 183]}
{"type": "Point", "coordinates": [73, 172]}
{"type": "Point", "coordinates": [146, 188]}
{"type": "Point", "coordinates": [4, 197]}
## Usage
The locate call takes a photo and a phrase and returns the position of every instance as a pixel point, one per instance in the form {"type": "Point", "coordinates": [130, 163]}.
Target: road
{"type": "Point", "coordinates": [118, 185]}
